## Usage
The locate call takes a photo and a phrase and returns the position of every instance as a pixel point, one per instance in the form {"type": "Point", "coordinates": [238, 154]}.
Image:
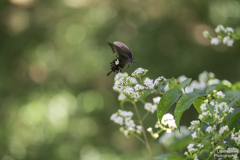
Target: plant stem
{"type": "Point", "coordinates": [143, 130]}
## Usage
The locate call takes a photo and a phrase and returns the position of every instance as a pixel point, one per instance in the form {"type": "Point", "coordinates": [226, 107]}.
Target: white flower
{"type": "Point", "coordinates": [139, 127]}
{"type": "Point", "coordinates": [156, 100]}
{"type": "Point", "coordinates": [194, 135]}
{"type": "Point", "coordinates": [136, 95]}
{"type": "Point", "coordinates": [220, 94]}
{"type": "Point", "coordinates": [225, 39]}
{"type": "Point", "coordinates": [200, 117]}
{"type": "Point", "coordinates": [121, 97]}
{"type": "Point", "coordinates": [215, 41]}
{"type": "Point", "coordinates": [149, 83]}
{"type": "Point", "coordinates": [231, 110]}
{"type": "Point", "coordinates": [119, 75]}
{"type": "Point", "coordinates": [129, 123]}
{"type": "Point", "coordinates": [205, 34]}
{"type": "Point", "coordinates": [149, 129]}
{"type": "Point", "coordinates": [200, 145]}
{"type": "Point", "coordinates": [195, 158]}
{"type": "Point", "coordinates": [203, 107]}
{"type": "Point", "coordinates": [223, 129]}
{"type": "Point", "coordinates": [203, 77]}
{"type": "Point", "coordinates": [169, 130]}
{"type": "Point", "coordinates": [195, 122]}
{"type": "Point", "coordinates": [132, 80]}
{"type": "Point", "coordinates": [182, 78]}
{"type": "Point", "coordinates": [126, 113]}
{"type": "Point", "coordinates": [155, 135]}
{"type": "Point", "coordinates": [230, 43]}
{"type": "Point", "coordinates": [138, 87]}
{"type": "Point", "coordinates": [125, 132]}
{"type": "Point", "coordinates": [212, 103]}
{"type": "Point", "coordinates": [159, 79]}
{"type": "Point", "coordinates": [139, 72]}
{"type": "Point", "coordinates": [150, 107]}
{"type": "Point", "coordinates": [119, 120]}
{"type": "Point", "coordinates": [113, 116]}
{"type": "Point", "coordinates": [190, 147]}
{"type": "Point", "coordinates": [166, 118]}
{"type": "Point", "coordinates": [219, 28]}
{"type": "Point", "coordinates": [209, 129]}
{"type": "Point", "coordinates": [229, 29]}
{"type": "Point", "coordinates": [128, 90]}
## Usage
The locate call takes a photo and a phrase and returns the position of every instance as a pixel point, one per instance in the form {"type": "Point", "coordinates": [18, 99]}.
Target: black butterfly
{"type": "Point", "coordinates": [124, 56]}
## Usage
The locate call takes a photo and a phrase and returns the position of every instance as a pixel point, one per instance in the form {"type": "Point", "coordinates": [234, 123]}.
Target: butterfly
{"type": "Point", "coordinates": [124, 57]}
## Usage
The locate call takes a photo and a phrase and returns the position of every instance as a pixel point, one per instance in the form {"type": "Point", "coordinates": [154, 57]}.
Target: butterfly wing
{"type": "Point", "coordinates": [121, 49]}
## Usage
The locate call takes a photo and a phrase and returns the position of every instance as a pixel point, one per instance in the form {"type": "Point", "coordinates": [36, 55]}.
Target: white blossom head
{"type": "Point", "coordinates": [149, 83]}
{"type": "Point", "coordinates": [229, 30]}
{"type": "Point", "coordinates": [206, 34]}
{"type": "Point", "coordinates": [139, 72]}
{"type": "Point", "coordinates": [150, 107]}
{"type": "Point", "coordinates": [156, 100]}
{"type": "Point", "coordinates": [219, 29]}
{"type": "Point", "coordinates": [215, 41]}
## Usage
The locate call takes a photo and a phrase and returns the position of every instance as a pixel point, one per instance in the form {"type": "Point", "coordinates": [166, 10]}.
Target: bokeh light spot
{"type": "Point", "coordinates": [17, 21]}
{"type": "Point", "coordinates": [75, 34]}
{"type": "Point", "coordinates": [22, 2]}
{"type": "Point", "coordinates": [89, 152]}
{"type": "Point", "coordinates": [38, 72]}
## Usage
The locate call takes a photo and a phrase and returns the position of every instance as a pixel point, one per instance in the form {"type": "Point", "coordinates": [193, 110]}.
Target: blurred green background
{"type": "Point", "coordinates": [56, 100]}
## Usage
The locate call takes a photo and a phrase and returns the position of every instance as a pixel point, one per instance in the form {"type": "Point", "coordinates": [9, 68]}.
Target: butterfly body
{"type": "Point", "coordinates": [124, 57]}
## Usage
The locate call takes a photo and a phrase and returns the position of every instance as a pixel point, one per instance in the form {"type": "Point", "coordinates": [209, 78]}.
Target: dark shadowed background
{"type": "Point", "coordinates": [55, 98]}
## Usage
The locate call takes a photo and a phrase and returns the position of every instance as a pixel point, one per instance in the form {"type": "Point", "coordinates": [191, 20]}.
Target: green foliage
{"type": "Point", "coordinates": [185, 102]}
{"type": "Point", "coordinates": [167, 100]}
{"type": "Point", "coordinates": [168, 156]}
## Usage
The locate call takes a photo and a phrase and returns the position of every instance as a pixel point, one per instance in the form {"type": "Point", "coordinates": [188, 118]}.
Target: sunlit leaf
{"type": "Point", "coordinates": [186, 82]}
{"type": "Point", "coordinates": [167, 100]}
{"type": "Point", "coordinates": [185, 102]}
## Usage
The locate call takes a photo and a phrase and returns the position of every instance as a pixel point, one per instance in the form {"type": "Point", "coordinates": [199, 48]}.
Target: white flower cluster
{"type": "Point", "coordinates": [220, 111]}
{"type": "Point", "coordinates": [149, 83]}
{"type": "Point", "coordinates": [236, 138]}
{"type": "Point", "coordinates": [129, 87]}
{"type": "Point", "coordinates": [224, 35]}
{"type": "Point", "coordinates": [154, 135]}
{"type": "Point", "coordinates": [124, 118]}
{"type": "Point", "coordinates": [169, 120]}
{"type": "Point", "coordinates": [150, 107]}
{"type": "Point", "coordinates": [223, 129]}
{"type": "Point", "coordinates": [203, 78]}
{"type": "Point", "coordinates": [215, 112]}
{"type": "Point", "coordinates": [139, 72]}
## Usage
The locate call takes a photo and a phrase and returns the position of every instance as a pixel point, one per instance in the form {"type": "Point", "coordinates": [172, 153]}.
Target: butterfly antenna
{"type": "Point", "coordinates": [109, 73]}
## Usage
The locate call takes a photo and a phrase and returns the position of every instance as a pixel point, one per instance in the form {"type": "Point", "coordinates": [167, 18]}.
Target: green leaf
{"type": "Point", "coordinates": [162, 86]}
{"type": "Point", "coordinates": [172, 84]}
{"type": "Point", "coordinates": [167, 100]}
{"type": "Point", "coordinates": [210, 89]}
{"type": "Point", "coordinates": [185, 102]}
{"type": "Point", "coordinates": [186, 82]}
{"type": "Point", "coordinates": [204, 154]}
{"type": "Point", "coordinates": [203, 127]}
{"type": "Point", "coordinates": [146, 93]}
{"type": "Point", "coordinates": [168, 156]}
{"type": "Point", "coordinates": [233, 120]}
{"type": "Point", "coordinates": [197, 104]}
